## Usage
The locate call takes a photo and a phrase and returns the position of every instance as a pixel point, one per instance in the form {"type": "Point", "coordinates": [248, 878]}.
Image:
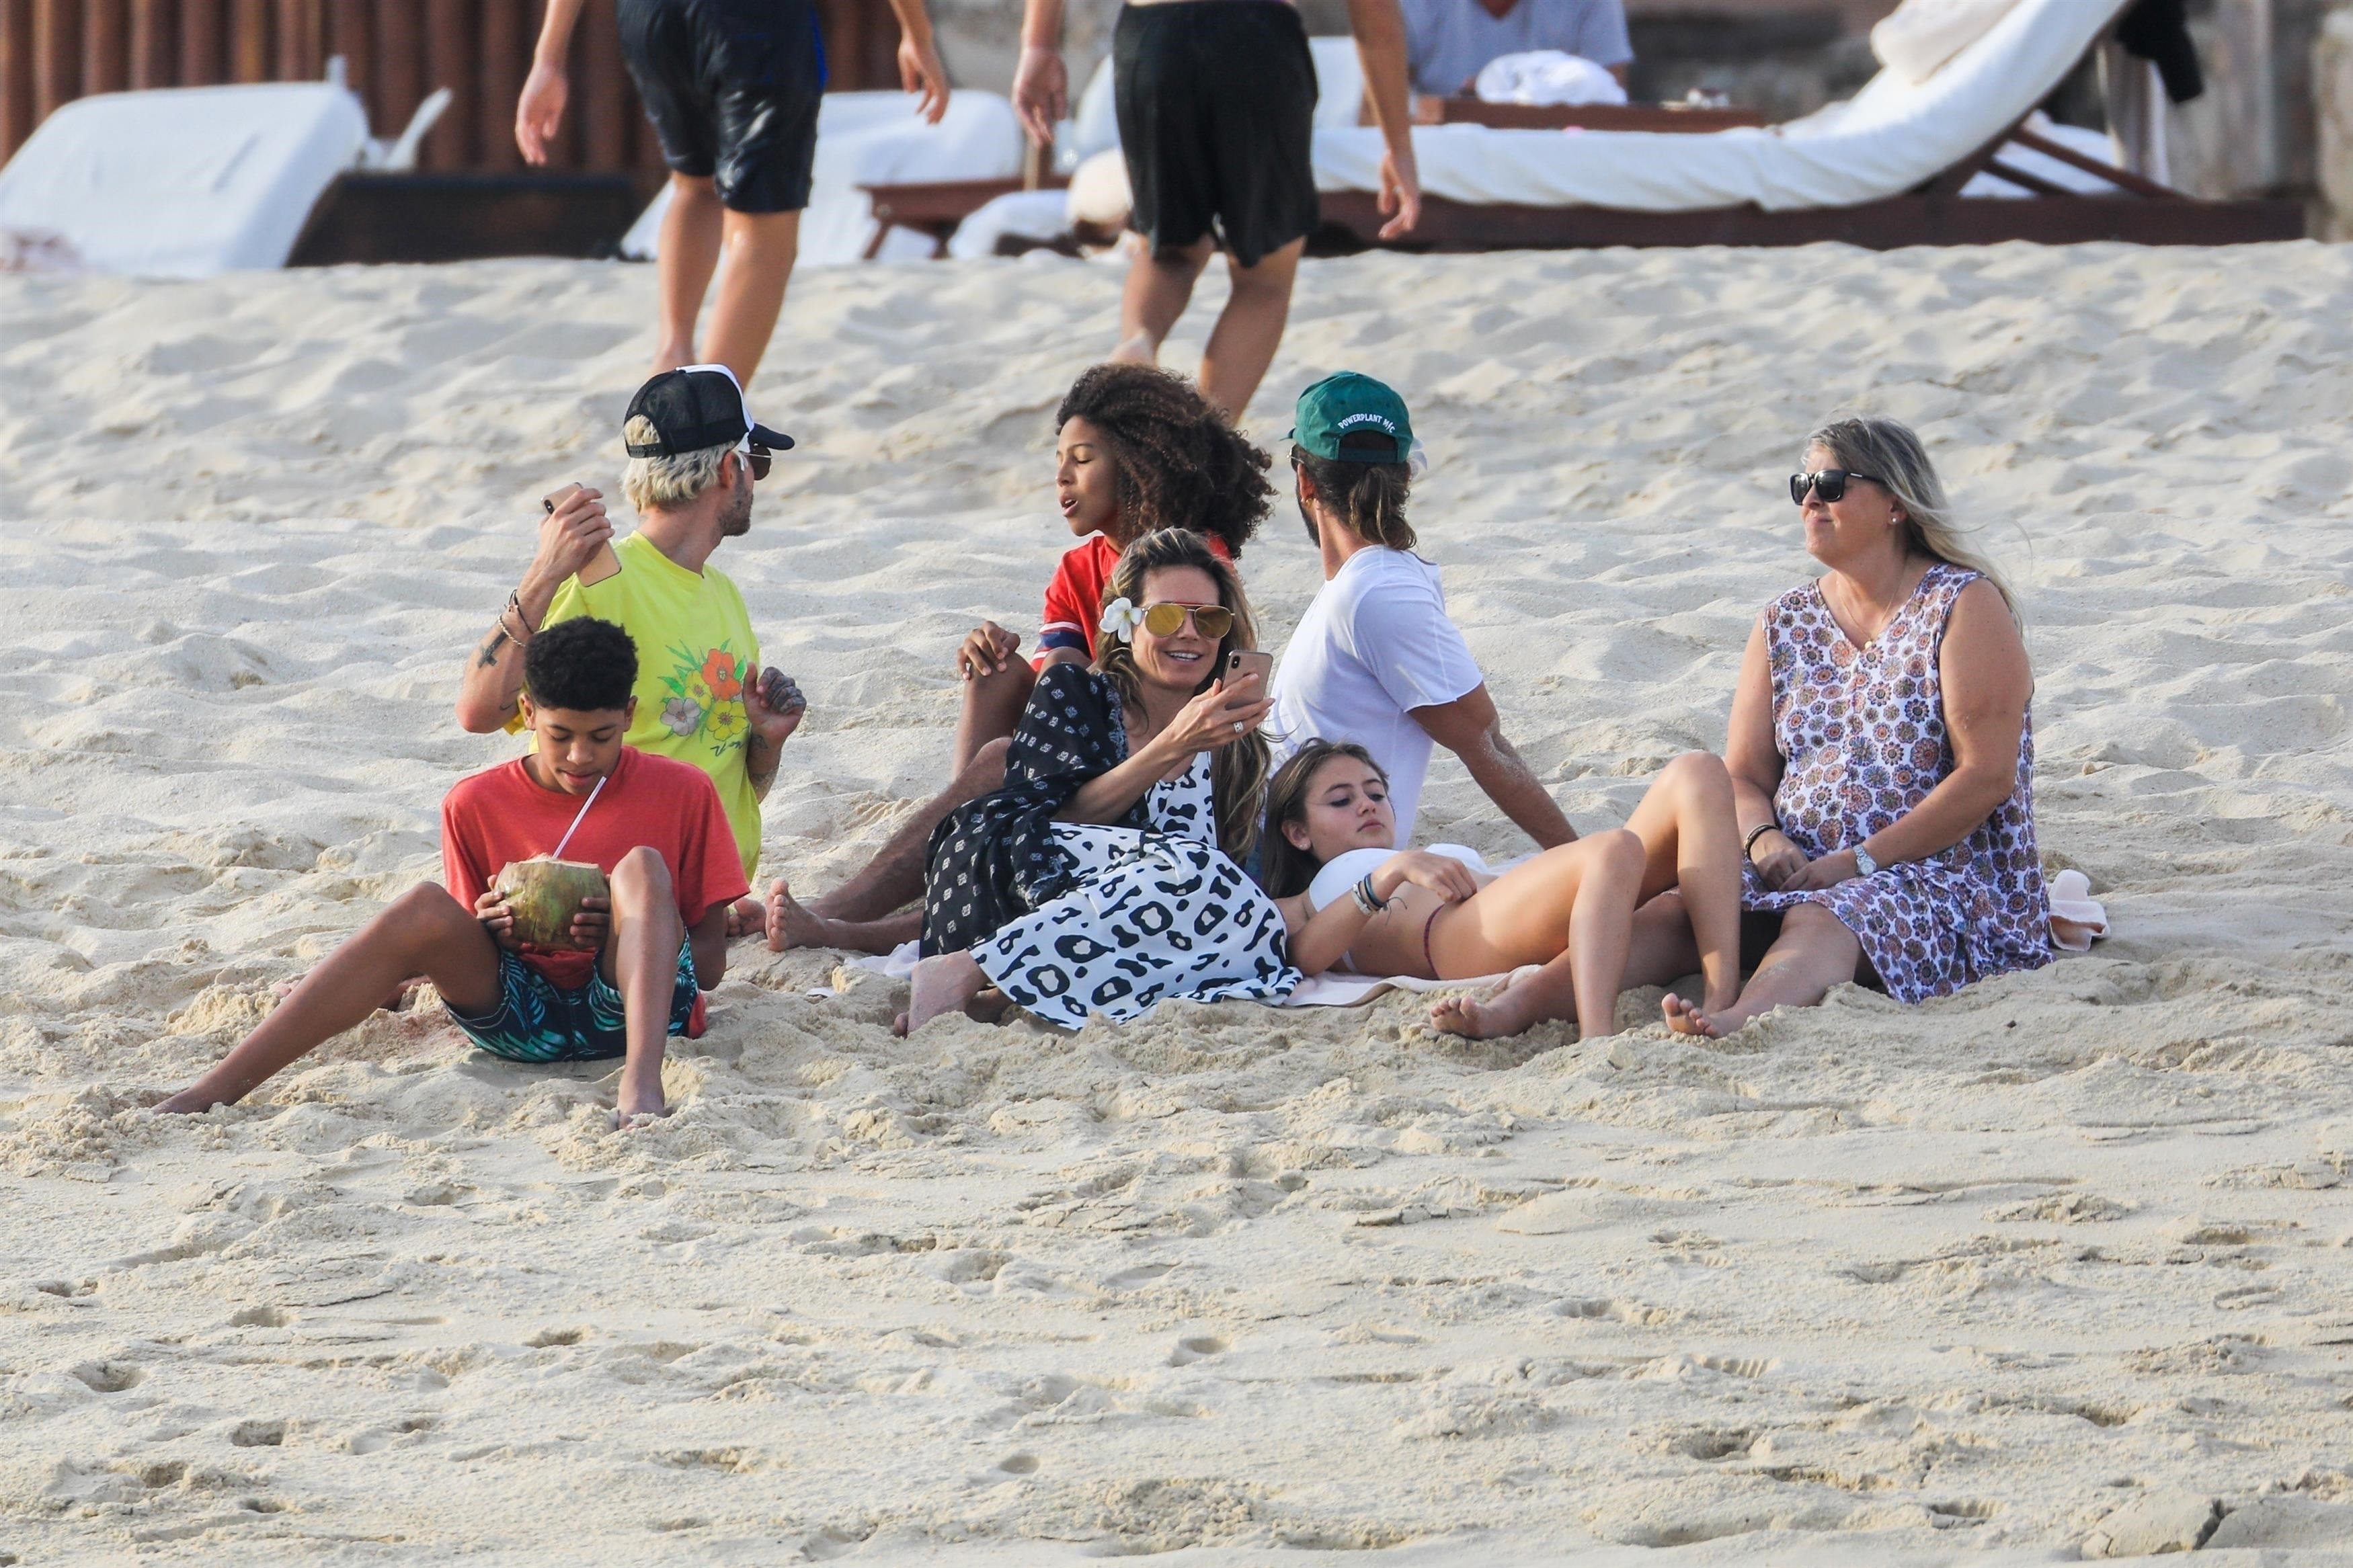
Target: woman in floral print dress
{"type": "Point", "coordinates": [1881, 749]}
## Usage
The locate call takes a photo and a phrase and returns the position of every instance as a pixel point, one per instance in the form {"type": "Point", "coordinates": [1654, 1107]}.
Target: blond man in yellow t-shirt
{"type": "Point", "coordinates": [695, 453]}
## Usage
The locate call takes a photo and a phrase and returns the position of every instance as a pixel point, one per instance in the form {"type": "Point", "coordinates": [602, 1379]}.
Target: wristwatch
{"type": "Point", "coordinates": [1863, 864]}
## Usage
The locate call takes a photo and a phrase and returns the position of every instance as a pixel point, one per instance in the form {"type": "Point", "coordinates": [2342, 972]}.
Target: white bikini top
{"type": "Point", "coordinates": [1345, 871]}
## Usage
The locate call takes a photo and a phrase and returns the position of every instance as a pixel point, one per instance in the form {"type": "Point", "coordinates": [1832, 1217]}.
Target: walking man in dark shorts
{"type": "Point", "coordinates": [1216, 101]}
{"type": "Point", "coordinates": [732, 87]}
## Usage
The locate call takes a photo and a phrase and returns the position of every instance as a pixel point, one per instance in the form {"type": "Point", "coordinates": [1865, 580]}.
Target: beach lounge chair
{"type": "Point", "coordinates": [1889, 167]}
{"type": "Point", "coordinates": [183, 182]}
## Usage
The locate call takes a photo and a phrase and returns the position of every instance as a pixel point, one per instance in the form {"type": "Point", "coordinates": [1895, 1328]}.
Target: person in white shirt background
{"type": "Point", "coordinates": [1376, 659]}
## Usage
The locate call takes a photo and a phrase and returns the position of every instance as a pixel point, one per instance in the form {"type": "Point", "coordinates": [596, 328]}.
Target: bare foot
{"type": "Point", "coordinates": [189, 1102]}
{"type": "Point", "coordinates": [1137, 350]}
{"type": "Point", "coordinates": [638, 1101]}
{"type": "Point", "coordinates": [946, 983]}
{"type": "Point", "coordinates": [790, 924]}
{"type": "Point", "coordinates": [1504, 1011]}
{"type": "Point", "coordinates": [1685, 1019]}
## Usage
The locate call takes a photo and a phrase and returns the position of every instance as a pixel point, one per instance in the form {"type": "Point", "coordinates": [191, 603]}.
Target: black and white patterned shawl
{"type": "Point", "coordinates": [994, 859]}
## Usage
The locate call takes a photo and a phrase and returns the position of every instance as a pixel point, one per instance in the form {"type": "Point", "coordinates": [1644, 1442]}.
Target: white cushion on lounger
{"type": "Point", "coordinates": [183, 182]}
{"type": "Point", "coordinates": [1919, 37]}
{"type": "Point", "coordinates": [1888, 138]}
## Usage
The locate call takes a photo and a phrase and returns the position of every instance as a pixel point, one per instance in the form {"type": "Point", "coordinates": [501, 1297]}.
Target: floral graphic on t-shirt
{"type": "Point", "coordinates": [707, 697]}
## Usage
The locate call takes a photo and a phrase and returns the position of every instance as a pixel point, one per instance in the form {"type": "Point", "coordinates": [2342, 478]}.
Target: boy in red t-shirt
{"type": "Point", "coordinates": [630, 979]}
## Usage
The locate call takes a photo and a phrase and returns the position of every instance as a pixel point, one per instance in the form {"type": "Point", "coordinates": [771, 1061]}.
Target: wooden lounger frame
{"type": "Point", "coordinates": [2140, 212]}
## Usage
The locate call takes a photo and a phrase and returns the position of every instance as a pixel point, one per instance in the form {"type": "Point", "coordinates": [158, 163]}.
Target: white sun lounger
{"type": "Point", "coordinates": [1886, 167]}
{"type": "Point", "coordinates": [183, 182]}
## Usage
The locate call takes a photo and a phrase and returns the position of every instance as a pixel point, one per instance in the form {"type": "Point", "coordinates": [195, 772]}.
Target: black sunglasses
{"type": "Point", "coordinates": [1828, 483]}
{"type": "Point", "coordinates": [760, 458]}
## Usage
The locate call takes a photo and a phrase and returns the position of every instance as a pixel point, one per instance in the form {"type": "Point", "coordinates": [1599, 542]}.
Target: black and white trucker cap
{"type": "Point", "coordinates": [695, 407]}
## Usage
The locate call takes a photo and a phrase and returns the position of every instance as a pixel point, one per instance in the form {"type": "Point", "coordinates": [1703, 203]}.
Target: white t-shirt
{"type": "Point", "coordinates": [1376, 643]}
{"type": "Point", "coordinates": [1448, 42]}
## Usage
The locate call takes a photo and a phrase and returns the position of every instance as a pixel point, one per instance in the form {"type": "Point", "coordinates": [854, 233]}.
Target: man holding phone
{"type": "Point", "coordinates": [695, 453]}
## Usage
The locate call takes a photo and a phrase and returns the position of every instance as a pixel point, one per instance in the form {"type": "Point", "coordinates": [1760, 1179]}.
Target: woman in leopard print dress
{"type": "Point", "coordinates": [1882, 752]}
{"type": "Point", "coordinates": [1106, 877]}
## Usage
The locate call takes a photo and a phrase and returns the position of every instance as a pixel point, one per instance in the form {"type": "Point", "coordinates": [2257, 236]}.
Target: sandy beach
{"type": "Point", "coordinates": [1861, 1285]}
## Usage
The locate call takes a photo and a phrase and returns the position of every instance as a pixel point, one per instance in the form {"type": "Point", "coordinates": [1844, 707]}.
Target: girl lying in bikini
{"type": "Point", "coordinates": [1353, 901]}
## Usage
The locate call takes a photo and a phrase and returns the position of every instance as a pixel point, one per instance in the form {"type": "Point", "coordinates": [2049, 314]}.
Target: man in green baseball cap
{"type": "Point", "coordinates": [1352, 418]}
{"type": "Point", "coordinates": [1376, 659]}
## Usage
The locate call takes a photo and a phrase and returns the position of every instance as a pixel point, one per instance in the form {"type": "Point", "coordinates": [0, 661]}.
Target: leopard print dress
{"type": "Point", "coordinates": [1156, 912]}
{"type": "Point", "coordinates": [1863, 740]}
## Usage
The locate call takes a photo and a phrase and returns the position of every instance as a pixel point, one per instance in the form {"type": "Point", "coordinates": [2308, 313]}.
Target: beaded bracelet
{"type": "Point", "coordinates": [1748, 844]}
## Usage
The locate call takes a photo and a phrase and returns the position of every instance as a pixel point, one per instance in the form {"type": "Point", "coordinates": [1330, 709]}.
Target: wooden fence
{"type": "Point", "coordinates": [397, 51]}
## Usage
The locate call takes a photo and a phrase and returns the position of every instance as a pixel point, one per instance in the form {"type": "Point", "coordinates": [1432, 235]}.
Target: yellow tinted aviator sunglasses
{"type": "Point", "coordinates": [1162, 620]}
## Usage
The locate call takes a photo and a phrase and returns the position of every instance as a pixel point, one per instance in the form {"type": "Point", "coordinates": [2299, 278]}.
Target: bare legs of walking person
{"type": "Point", "coordinates": [759, 250]}
{"type": "Point", "coordinates": [1249, 329]}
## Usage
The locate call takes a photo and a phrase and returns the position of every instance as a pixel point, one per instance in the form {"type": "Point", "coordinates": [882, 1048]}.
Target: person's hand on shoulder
{"type": "Point", "coordinates": [570, 536]}
{"type": "Point", "coordinates": [1041, 93]}
{"type": "Point", "coordinates": [987, 649]}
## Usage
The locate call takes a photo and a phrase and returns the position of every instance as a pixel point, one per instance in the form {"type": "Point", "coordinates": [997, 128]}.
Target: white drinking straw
{"type": "Point", "coordinates": [575, 821]}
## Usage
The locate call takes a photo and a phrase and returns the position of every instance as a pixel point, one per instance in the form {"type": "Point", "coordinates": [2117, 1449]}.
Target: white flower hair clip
{"type": "Point", "coordinates": [1120, 619]}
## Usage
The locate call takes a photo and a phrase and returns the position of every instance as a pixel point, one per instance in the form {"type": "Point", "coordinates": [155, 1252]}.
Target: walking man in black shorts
{"type": "Point", "coordinates": [1216, 100]}
{"type": "Point", "coordinates": [732, 87]}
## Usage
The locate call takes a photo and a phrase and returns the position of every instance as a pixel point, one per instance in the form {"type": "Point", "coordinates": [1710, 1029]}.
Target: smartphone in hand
{"type": "Point", "coordinates": [1240, 663]}
{"type": "Point", "coordinates": [605, 564]}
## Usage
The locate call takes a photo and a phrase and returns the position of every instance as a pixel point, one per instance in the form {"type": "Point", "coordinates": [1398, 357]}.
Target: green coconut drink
{"type": "Point", "coordinates": [544, 895]}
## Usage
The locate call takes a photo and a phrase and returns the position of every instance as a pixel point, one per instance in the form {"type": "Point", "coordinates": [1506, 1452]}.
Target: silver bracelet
{"type": "Point", "coordinates": [1372, 903]}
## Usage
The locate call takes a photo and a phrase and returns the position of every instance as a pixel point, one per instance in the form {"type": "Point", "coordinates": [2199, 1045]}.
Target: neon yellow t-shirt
{"type": "Point", "coordinates": [694, 644]}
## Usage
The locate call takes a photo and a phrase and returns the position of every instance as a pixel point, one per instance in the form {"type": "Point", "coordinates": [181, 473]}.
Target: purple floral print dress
{"type": "Point", "coordinates": [1861, 737]}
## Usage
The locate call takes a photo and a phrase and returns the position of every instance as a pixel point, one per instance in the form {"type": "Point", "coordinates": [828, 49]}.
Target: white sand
{"type": "Point", "coordinates": [1251, 1285]}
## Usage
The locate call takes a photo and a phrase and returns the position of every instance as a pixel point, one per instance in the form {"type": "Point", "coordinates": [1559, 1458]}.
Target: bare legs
{"type": "Point", "coordinates": [1249, 329]}
{"type": "Point", "coordinates": [1814, 953]}
{"type": "Point", "coordinates": [861, 915]}
{"type": "Point", "coordinates": [424, 932]}
{"type": "Point", "coordinates": [761, 248]}
{"type": "Point", "coordinates": [1690, 842]}
{"type": "Point", "coordinates": [1585, 890]}
{"type": "Point", "coordinates": [640, 962]}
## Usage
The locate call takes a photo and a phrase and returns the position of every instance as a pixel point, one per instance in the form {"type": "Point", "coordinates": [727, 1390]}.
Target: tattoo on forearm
{"type": "Point", "coordinates": [489, 654]}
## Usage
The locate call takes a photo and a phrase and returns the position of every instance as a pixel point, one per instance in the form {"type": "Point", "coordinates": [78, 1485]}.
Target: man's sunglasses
{"type": "Point", "coordinates": [1162, 620]}
{"type": "Point", "coordinates": [1828, 483]}
{"type": "Point", "coordinates": [760, 458]}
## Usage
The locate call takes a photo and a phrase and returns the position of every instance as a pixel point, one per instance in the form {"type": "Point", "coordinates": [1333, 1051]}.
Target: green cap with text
{"type": "Point", "coordinates": [1352, 418]}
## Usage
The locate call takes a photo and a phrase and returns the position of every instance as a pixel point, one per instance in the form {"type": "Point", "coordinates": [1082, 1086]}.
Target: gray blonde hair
{"type": "Point", "coordinates": [660, 483]}
{"type": "Point", "coordinates": [1889, 451]}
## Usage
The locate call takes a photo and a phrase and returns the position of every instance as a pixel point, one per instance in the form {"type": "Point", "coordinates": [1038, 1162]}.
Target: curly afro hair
{"type": "Point", "coordinates": [1180, 465]}
{"type": "Point", "coordinates": [585, 666]}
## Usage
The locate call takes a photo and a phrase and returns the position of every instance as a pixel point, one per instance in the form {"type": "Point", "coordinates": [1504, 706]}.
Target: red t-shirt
{"type": "Point", "coordinates": [502, 815]}
{"type": "Point", "coordinates": [1074, 598]}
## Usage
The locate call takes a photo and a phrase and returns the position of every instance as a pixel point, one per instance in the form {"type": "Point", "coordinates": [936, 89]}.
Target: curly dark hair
{"type": "Point", "coordinates": [1180, 465]}
{"type": "Point", "coordinates": [584, 665]}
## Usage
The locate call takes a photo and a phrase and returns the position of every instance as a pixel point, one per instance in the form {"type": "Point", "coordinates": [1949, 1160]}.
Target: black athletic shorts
{"type": "Point", "coordinates": [732, 87]}
{"type": "Point", "coordinates": [1217, 106]}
